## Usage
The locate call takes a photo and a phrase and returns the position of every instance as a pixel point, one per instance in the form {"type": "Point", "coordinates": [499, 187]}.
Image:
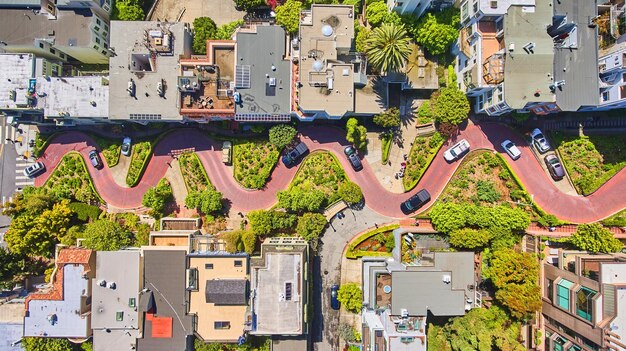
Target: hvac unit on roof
{"type": "Point", "coordinates": [529, 47]}
{"type": "Point", "coordinates": [272, 82]}
{"type": "Point", "coordinates": [112, 285]}
{"type": "Point", "coordinates": [447, 279]}
{"type": "Point", "coordinates": [102, 282]}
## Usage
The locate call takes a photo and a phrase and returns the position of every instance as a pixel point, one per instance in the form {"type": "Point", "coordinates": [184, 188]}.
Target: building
{"type": "Point", "coordinates": [399, 297]}
{"type": "Point", "coordinates": [66, 31]}
{"type": "Point", "coordinates": [115, 318]}
{"type": "Point", "coordinates": [330, 77]}
{"type": "Point", "coordinates": [162, 302]}
{"type": "Point", "coordinates": [144, 72]}
{"type": "Point", "coordinates": [417, 7]}
{"type": "Point", "coordinates": [279, 287]}
{"type": "Point", "coordinates": [63, 311]}
{"type": "Point", "coordinates": [528, 56]}
{"type": "Point", "coordinates": [218, 290]}
{"type": "Point", "coordinates": [584, 301]}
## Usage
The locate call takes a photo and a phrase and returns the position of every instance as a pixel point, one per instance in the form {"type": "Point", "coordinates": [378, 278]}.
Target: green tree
{"type": "Point", "coordinates": [350, 192]}
{"type": "Point", "coordinates": [594, 237]}
{"type": "Point", "coordinates": [376, 12]}
{"type": "Point", "coordinates": [128, 10]}
{"type": "Point", "coordinates": [522, 300]}
{"type": "Point", "coordinates": [388, 47]}
{"type": "Point", "coordinates": [203, 29]}
{"type": "Point", "coordinates": [298, 200]}
{"type": "Point", "coordinates": [510, 267]}
{"type": "Point", "coordinates": [46, 344]}
{"type": "Point", "coordinates": [226, 31]}
{"type": "Point", "coordinates": [436, 32]}
{"type": "Point", "coordinates": [232, 241]}
{"type": "Point", "coordinates": [548, 220]}
{"type": "Point", "coordinates": [288, 15]}
{"type": "Point", "coordinates": [389, 118]}
{"type": "Point", "coordinates": [361, 38]}
{"type": "Point", "coordinates": [206, 201]}
{"type": "Point", "coordinates": [9, 268]}
{"type": "Point", "coordinates": [156, 198]}
{"type": "Point", "coordinates": [355, 3]}
{"type": "Point", "coordinates": [281, 135]}
{"type": "Point", "coordinates": [247, 5]}
{"type": "Point", "coordinates": [351, 297]}
{"type": "Point", "coordinates": [106, 235]}
{"type": "Point", "coordinates": [451, 106]}
{"type": "Point", "coordinates": [266, 222]}
{"type": "Point", "coordinates": [249, 239]}
{"type": "Point", "coordinates": [356, 134]}
{"type": "Point", "coordinates": [311, 225]}
{"type": "Point", "coordinates": [203, 346]}
{"type": "Point", "coordinates": [468, 238]}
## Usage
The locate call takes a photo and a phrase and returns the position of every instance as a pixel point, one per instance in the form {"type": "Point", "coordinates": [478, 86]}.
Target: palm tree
{"type": "Point", "coordinates": [388, 47]}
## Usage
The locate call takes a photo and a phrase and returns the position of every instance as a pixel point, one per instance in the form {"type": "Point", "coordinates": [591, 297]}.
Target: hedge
{"type": "Point", "coordinates": [429, 160]}
{"type": "Point", "coordinates": [84, 211]}
{"type": "Point", "coordinates": [356, 254]}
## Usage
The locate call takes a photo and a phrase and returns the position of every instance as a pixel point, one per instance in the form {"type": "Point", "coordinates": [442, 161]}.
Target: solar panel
{"type": "Point", "coordinates": [242, 76]}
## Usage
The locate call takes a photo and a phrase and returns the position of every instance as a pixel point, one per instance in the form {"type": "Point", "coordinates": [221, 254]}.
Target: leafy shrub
{"type": "Point", "coordinates": [297, 200]}
{"type": "Point", "coordinates": [351, 297]}
{"type": "Point", "coordinates": [486, 191]}
{"type": "Point", "coordinates": [138, 161]}
{"type": "Point", "coordinates": [448, 217]}
{"type": "Point", "coordinates": [350, 192]}
{"type": "Point", "coordinates": [549, 220]}
{"type": "Point", "coordinates": [156, 198]}
{"type": "Point", "coordinates": [281, 135]}
{"type": "Point", "coordinates": [254, 161]}
{"type": "Point", "coordinates": [206, 201]}
{"type": "Point", "coordinates": [85, 212]}
{"type": "Point", "coordinates": [356, 134]}
{"type": "Point", "coordinates": [311, 225]}
{"type": "Point", "coordinates": [266, 222]}
{"type": "Point", "coordinates": [594, 237]}
{"type": "Point", "coordinates": [468, 238]}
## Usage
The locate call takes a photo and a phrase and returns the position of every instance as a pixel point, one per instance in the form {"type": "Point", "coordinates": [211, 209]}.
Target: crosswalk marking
{"type": "Point", "coordinates": [8, 132]}
{"type": "Point", "coordinates": [24, 183]}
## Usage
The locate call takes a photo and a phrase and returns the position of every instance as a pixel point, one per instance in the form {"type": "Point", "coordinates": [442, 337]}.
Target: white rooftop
{"type": "Point", "coordinates": [16, 70]}
{"type": "Point", "coordinates": [73, 96]}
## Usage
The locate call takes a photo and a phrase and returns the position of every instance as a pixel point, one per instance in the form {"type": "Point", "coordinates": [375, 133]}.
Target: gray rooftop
{"type": "Point", "coordinates": [260, 51]}
{"type": "Point", "coordinates": [226, 291]}
{"type": "Point", "coordinates": [123, 269]}
{"type": "Point", "coordinates": [86, 96]}
{"type": "Point", "coordinates": [16, 70]}
{"type": "Point", "coordinates": [422, 289]}
{"type": "Point", "coordinates": [69, 322]}
{"type": "Point", "coordinates": [528, 73]}
{"type": "Point", "coordinates": [578, 66]}
{"type": "Point", "coordinates": [128, 39]}
{"type": "Point", "coordinates": [9, 333]}
{"type": "Point", "coordinates": [22, 26]}
{"type": "Point", "coordinates": [34, 4]}
{"type": "Point", "coordinates": [164, 276]}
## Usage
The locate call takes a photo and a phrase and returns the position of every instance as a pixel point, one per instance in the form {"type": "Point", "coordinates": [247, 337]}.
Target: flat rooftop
{"type": "Point", "coordinates": [75, 97]}
{"type": "Point", "coordinates": [22, 26]}
{"type": "Point", "coordinates": [115, 308]}
{"type": "Point", "coordinates": [262, 57]}
{"type": "Point", "coordinates": [326, 84]}
{"type": "Point", "coordinates": [146, 53]}
{"type": "Point", "coordinates": [278, 294]}
{"type": "Point", "coordinates": [528, 73]}
{"type": "Point", "coordinates": [16, 71]}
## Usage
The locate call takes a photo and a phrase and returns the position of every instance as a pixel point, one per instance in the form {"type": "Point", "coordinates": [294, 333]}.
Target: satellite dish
{"type": "Point", "coordinates": [327, 30]}
{"type": "Point", "coordinates": [318, 66]}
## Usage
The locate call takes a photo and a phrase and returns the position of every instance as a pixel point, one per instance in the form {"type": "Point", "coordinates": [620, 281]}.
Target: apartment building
{"type": "Point", "coordinates": [64, 31]}
{"type": "Point", "coordinates": [417, 7]}
{"type": "Point", "coordinates": [584, 299]}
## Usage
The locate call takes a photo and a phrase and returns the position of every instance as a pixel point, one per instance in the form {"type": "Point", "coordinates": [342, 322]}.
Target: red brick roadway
{"type": "Point", "coordinates": [578, 209]}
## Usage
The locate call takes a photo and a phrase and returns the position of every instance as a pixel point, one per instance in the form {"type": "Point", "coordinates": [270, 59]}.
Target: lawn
{"type": "Point", "coordinates": [253, 162]}
{"type": "Point", "coordinates": [193, 173]}
{"type": "Point", "coordinates": [421, 155]}
{"type": "Point", "coordinates": [140, 154]}
{"type": "Point", "coordinates": [484, 180]}
{"type": "Point", "coordinates": [320, 171]}
{"type": "Point", "coordinates": [591, 160]}
{"type": "Point", "coordinates": [110, 149]}
{"type": "Point", "coordinates": [70, 177]}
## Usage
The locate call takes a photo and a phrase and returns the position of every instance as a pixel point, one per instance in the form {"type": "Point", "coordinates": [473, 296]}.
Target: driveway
{"type": "Point", "coordinates": [327, 271]}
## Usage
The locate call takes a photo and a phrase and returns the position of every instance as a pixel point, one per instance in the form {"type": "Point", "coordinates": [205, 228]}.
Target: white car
{"type": "Point", "coordinates": [34, 170]}
{"type": "Point", "coordinates": [456, 150]}
{"type": "Point", "coordinates": [539, 141]}
{"type": "Point", "coordinates": [511, 149]}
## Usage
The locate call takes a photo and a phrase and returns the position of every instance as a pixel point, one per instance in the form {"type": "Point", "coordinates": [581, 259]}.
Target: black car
{"type": "Point", "coordinates": [415, 202]}
{"type": "Point", "coordinates": [353, 157]}
{"type": "Point", "coordinates": [293, 155]}
{"type": "Point", "coordinates": [554, 167]}
{"type": "Point", "coordinates": [334, 302]}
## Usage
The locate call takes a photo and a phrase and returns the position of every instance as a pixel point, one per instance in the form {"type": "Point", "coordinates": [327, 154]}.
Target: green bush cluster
{"type": "Point", "coordinates": [128, 10]}
{"type": "Point", "coordinates": [356, 134]}
{"type": "Point", "coordinates": [206, 201]}
{"type": "Point", "coordinates": [425, 113]}
{"type": "Point", "coordinates": [111, 149]}
{"type": "Point", "coordinates": [389, 239]}
{"type": "Point", "coordinates": [351, 297]}
{"type": "Point", "coordinates": [156, 198]}
{"type": "Point", "coordinates": [594, 237]}
{"type": "Point", "coordinates": [448, 217]}
{"type": "Point", "coordinates": [269, 222]}
{"type": "Point", "coordinates": [253, 162]}
{"type": "Point", "coordinates": [281, 135]}
{"type": "Point", "coordinates": [422, 152]}
{"type": "Point", "coordinates": [70, 180]}
{"type": "Point", "coordinates": [85, 212]}
{"type": "Point", "coordinates": [193, 172]}
{"type": "Point", "coordinates": [311, 225]}
{"type": "Point", "coordinates": [138, 161]}
{"type": "Point", "coordinates": [387, 139]}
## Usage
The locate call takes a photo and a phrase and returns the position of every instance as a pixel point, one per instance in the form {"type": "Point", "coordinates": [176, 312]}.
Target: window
{"type": "Point", "coordinates": [119, 316]}
{"type": "Point", "coordinates": [550, 292]}
{"type": "Point", "coordinates": [132, 303]}
{"type": "Point", "coordinates": [104, 52]}
{"type": "Point", "coordinates": [575, 348]}
{"type": "Point", "coordinates": [238, 263]}
{"type": "Point", "coordinates": [96, 28]}
{"type": "Point", "coordinates": [208, 266]}
{"type": "Point", "coordinates": [106, 28]}
{"type": "Point", "coordinates": [221, 325]}
{"type": "Point", "coordinates": [106, 46]}
{"type": "Point", "coordinates": [62, 55]}
{"type": "Point", "coordinates": [605, 96]}
{"type": "Point", "coordinates": [52, 51]}
{"type": "Point", "coordinates": [41, 45]}
{"type": "Point", "coordinates": [558, 344]}
{"type": "Point", "coordinates": [96, 47]}
{"type": "Point", "coordinates": [584, 301]}
{"type": "Point", "coordinates": [98, 21]}
{"type": "Point", "coordinates": [97, 40]}
{"type": "Point", "coordinates": [562, 293]}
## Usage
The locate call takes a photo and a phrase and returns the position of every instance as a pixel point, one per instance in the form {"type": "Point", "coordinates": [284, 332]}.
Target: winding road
{"type": "Point", "coordinates": [606, 201]}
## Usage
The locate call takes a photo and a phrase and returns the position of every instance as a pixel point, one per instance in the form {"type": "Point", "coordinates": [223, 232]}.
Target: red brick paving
{"type": "Point", "coordinates": [606, 201]}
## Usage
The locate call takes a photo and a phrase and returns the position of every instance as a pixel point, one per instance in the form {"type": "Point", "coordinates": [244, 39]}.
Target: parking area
{"type": "Point", "coordinates": [221, 11]}
{"type": "Point", "coordinates": [564, 185]}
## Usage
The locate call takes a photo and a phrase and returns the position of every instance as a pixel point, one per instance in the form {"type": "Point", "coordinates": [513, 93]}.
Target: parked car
{"type": "Point", "coordinates": [415, 202]}
{"type": "Point", "coordinates": [353, 157]}
{"type": "Point", "coordinates": [539, 141]}
{"type": "Point", "coordinates": [334, 301]}
{"type": "Point", "coordinates": [511, 149]}
{"type": "Point", "coordinates": [34, 170]}
{"type": "Point", "coordinates": [456, 150]}
{"type": "Point", "coordinates": [554, 167]}
{"type": "Point", "coordinates": [293, 155]}
{"type": "Point", "coordinates": [95, 159]}
{"type": "Point", "coordinates": [126, 147]}
{"type": "Point", "coordinates": [227, 148]}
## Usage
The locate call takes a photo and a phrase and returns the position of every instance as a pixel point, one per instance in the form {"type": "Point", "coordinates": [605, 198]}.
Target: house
{"type": "Point", "coordinates": [63, 310]}
{"type": "Point", "coordinates": [115, 318]}
{"type": "Point", "coordinates": [279, 287]}
{"type": "Point", "coordinates": [584, 299]}
{"type": "Point", "coordinates": [417, 7]}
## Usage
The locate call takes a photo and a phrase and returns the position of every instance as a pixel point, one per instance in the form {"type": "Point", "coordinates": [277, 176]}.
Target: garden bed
{"type": "Point", "coordinates": [616, 220]}
{"type": "Point", "coordinates": [378, 242]}
{"type": "Point", "coordinates": [413, 249]}
{"type": "Point", "coordinates": [421, 155]}
{"type": "Point", "coordinates": [386, 146]}
{"type": "Point", "coordinates": [320, 171]}
{"type": "Point", "coordinates": [253, 162]}
{"type": "Point", "coordinates": [193, 172]}
{"type": "Point", "coordinates": [110, 149]}
{"type": "Point", "coordinates": [141, 152]}
{"type": "Point", "coordinates": [591, 160]}
{"type": "Point", "coordinates": [71, 179]}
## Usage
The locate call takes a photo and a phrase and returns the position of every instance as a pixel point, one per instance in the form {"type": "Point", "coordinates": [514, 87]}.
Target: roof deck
{"type": "Point", "coordinates": [76, 97]}
{"type": "Point", "coordinates": [15, 76]}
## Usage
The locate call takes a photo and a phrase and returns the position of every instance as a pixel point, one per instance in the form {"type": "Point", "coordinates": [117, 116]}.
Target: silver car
{"type": "Point", "coordinates": [511, 149]}
{"type": "Point", "coordinates": [456, 150]}
{"type": "Point", "coordinates": [539, 141]}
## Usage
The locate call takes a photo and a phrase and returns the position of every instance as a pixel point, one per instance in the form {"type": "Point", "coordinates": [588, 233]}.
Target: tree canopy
{"type": "Point", "coordinates": [266, 222]}
{"type": "Point", "coordinates": [362, 33]}
{"type": "Point", "coordinates": [106, 235]}
{"type": "Point", "coordinates": [204, 28]}
{"type": "Point", "coordinates": [594, 237]}
{"type": "Point", "coordinates": [469, 238]}
{"type": "Point", "coordinates": [435, 32]}
{"type": "Point", "coordinates": [288, 15]}
{"type": "Point", "coordinates": [247, 5]}
{"type": "Point", "coordinates": [351, 297]}
{"type": "Point", "coordinates": [311, 225]}
{"type": "Point", "coordinates": [376, 12]}
{"type": "Point", "coordinates": [281, 135]}
{"type": "Point", "coordinates": [156, 198]}
{"type": "Point", "coordinates": [298, 200]}
{"type": "Point", "coordinates": [389, 118]}
{"type": "Point", "coordinates": [47, 344]}
{"type": "Point", "coordinates": [350, 192]}
{"type": "Point", "coordinates": [356, 134]}
{"type": "Point", "coordinates": [388, 47]}
{"type": "Point", "coordinates": [451, 106]}
{"type": "Point", "coordinates": [448, 217]}
{"type": "Point", "coordinates": [129, 10]}
{"type": "Point", "coordinates": [206, 201]}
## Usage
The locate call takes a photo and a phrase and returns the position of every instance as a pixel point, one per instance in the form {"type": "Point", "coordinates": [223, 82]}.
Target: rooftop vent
{"type": "Point", "coordinates": [530, 47]}
{"type": "Point", "coordinates": [102, 282]}
{"type": "Point", "coordinates": [112, 285]}
{"type": "Point", "coordinates": [447, 279]}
